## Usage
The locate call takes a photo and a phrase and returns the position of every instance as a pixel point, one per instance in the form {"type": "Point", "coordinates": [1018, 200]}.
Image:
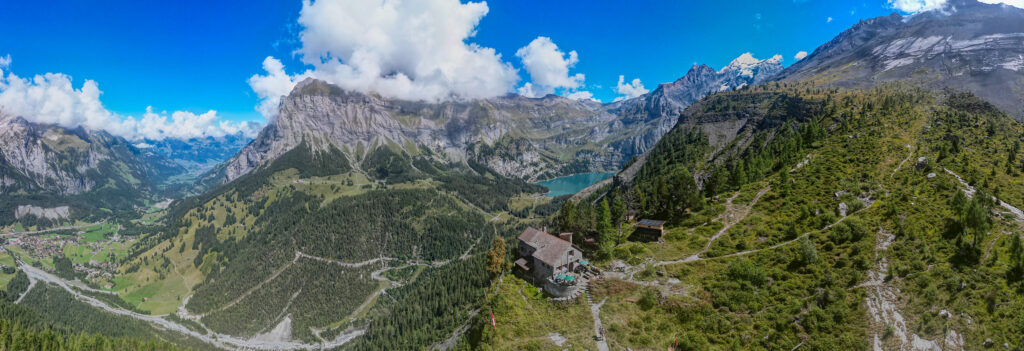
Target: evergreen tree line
{"type": "Point", "coordinates": [51, 319]}
{"type": "Point", "coordinates": [427, 311]}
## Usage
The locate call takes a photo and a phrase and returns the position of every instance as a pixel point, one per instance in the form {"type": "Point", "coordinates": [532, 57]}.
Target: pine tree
{"type": "Point", "coordinates": [496, 256]}
{"type": "Point", "coordinates": [618, 207]}
{"type": "Point", "coordinates": [1016, 271]}
{"type": "Point", "coordinates": [976, 217]}
{"type": "Point", "coordinates": [784, 182]}
{"type": "Point", "coordinates": [567, 217]}
{"type": "Point", "coordinates": [808, 252]}
{"type": "Point", "coordinates": [604, 222]}
{"type": "Point", "coordinates": [618, 215]}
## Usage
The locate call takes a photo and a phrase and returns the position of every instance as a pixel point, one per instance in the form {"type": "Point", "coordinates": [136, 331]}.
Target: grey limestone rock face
{"type": "Point", "coordinates": [514, 135]}
{"type": "Point", "coordinates": [968, 46]}
{"type": "Point", "coordinates": [60, 212]}
{"type": "Point", "coordinates": [49, 159]}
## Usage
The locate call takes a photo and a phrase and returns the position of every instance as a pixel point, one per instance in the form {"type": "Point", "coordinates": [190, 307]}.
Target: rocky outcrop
{"type": "Point", "coordinates": [968, 46]}
{"type": "Point", "coordinates": [54, 213]}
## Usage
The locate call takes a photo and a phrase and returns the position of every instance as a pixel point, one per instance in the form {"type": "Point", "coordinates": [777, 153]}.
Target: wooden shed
{"type": "Point", "coordinates": [649, 230]}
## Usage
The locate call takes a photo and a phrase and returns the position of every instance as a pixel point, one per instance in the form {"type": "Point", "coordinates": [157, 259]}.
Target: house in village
{"type": "Point", "coordinates": [549, 261]}
{"type": "Point", "coordinates": [648, 230]}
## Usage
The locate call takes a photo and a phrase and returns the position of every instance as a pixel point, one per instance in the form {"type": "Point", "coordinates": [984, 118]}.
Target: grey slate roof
{"type": "Point", "coordinates": [550, 248]}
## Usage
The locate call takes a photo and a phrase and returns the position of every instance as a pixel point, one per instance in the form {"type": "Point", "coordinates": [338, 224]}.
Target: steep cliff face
{"type": "Point", "coordinates": [528, 138]}
{"type": "Point", "coordinates": [32, 156]}
{"type": "Point", "coordinates": [544, 132]}
{"type": "Point", "coordinates": [47, 164]}
{"type": "Point", "coordinates": [967, 46]}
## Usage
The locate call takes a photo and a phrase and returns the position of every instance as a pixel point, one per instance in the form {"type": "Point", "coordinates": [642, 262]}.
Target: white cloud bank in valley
{"type": "Point", "coordinates": [917, 6]}
{"type": "Point", "coordinates": [52, 99]}
{"type": "Point", "coordinates": [629, 90]}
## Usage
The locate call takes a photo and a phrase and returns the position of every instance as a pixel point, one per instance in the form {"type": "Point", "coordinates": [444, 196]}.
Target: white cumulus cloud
{"type": "Point", "coordinates": [629, 90]}
{"type": "Point", "coordinates": [800, 55]}
{"type": "Point", "coordinates": [915, 6]}
{"type": "Point", "coordinates": [412, 50]}
{"type": "Point", "coordinates": [52, 99]}
{"type": "Point", "coordinates": [1015, 3]}
{"type": "Point", "coordinates": [272, 86]}
{"type": "Point", "coordinates": [185, 125]}
{"type": "Point", "coordinates": [415, 50]}
{"type": "Point", "coordinates": [581, 95]}
{"type": "Point", "coordinates": [529, 90]}
{"type": "Point", "coordinates": [548, 67]}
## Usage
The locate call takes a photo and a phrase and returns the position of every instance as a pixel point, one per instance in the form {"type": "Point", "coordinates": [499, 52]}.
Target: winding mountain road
{"type": "Point", "coordinates": [217, 339]}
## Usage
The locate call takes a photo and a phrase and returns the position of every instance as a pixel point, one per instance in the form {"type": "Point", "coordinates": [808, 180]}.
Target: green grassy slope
{"type": "Point", "coordinates": [829, 209]}
{"type": "Point", "coordinates": [329, 246]}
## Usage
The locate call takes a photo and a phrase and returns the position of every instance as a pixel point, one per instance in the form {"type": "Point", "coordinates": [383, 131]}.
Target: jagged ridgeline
{"type": "Point", "coordinates": [515, 136]}
{"type": "Point", "coordinates": [825, 218]}
{"type": "Point", "coordinates": [58, 175]}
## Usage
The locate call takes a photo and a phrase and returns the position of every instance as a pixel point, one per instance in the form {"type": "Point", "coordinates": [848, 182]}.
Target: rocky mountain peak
{"type": "Point", "coordinates": [43, 163]}
{"type": "Point", "coordinates": [669, 99]}
{"type": "Point", "coordinates": [969, 46]}
{"type": "Point", "coordinates": [747, 65]}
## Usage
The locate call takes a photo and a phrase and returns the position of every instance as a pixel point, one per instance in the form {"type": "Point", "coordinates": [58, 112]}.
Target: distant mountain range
{"type": "Point", "coordinates": [669, 99]}
{"type": "Point", "coordinates": [197, 155]}
{"type": "Point", "coordinates": [970, 46]}
{"type": "Point", "coordinates": [50, 166]}
{"type": "Point", "coordinates": [520, 137]}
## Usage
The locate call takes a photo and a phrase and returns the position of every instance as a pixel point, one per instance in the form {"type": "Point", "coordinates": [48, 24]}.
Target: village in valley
{"type": "Point", "coordinates": [87, 255]}
{"type": "Point", "coordinates": [93, 251]}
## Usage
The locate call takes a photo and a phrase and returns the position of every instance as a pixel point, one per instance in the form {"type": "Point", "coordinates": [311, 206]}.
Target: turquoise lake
{"type": "Point", "coordinates": [572, 184]}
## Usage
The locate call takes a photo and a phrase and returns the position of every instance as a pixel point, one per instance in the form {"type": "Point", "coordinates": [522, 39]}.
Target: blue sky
{"type": "Point", "coordinates": [198, 55]}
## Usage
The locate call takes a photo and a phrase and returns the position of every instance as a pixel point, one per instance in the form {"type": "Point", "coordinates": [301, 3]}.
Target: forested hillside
{"type": "Point", "coordinates": [813, 218]}
{"type": "Point", "coordinates": [22, 328]}
{"type": "Point", "coordinates": [314, 248]}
